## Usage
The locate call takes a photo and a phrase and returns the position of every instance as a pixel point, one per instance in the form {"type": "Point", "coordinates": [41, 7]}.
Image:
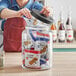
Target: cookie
{"type": "Point", "coordinates": [35, 22]}
{"type": "Point", "coordinates": [44, 49]}
{"type": "Point", "coordinates": [27, 42]}
{"type": "Point", "coordinates": [33, 61]}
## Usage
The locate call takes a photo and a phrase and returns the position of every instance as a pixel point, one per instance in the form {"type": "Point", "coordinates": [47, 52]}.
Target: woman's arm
{"type": "Point", "coordinates": [7, 13]}
{"type": "Point", "coordinates": [41, 8]}
{"type": "Point", "coordinates": [37, 5]}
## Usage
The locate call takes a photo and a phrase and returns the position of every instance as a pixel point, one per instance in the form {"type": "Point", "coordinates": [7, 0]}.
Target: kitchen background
{"type": "Point", "coordinates": [57, 5]}
{"type": "Point", "coordinates": [66, 5]}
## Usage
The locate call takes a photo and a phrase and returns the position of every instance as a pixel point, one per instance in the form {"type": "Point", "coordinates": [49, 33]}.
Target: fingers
{"type": "Point", "coordinates": [42, 11]}
{"type": "Point", "coordinates": [47, 14]}
{"type": "Point", "coordinates": [45, 11]}
{"type": "Point", "coordinates": [26, 13]}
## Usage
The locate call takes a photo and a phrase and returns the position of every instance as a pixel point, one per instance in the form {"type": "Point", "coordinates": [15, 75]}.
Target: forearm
{"type": "Point", "coordinates": [7, 13]}
{"type": "Point", "coordinates": [37, 5]}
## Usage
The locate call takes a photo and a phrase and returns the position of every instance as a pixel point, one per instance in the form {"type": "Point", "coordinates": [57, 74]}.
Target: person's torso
{"type": "Point", "coordinates": [14, 5]}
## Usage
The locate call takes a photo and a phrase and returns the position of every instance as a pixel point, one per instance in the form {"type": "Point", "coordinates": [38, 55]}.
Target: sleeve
{"type": "Point", "coordinates": [3, 4]}
{"type": "Point", "coordinates": [37, 5]}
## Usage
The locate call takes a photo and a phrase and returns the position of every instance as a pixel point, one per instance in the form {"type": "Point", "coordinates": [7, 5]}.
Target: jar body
{"type": "Point", "coordinates": [1, 57]}
{"type": "Point", "coordinates": [37, 48]}
{"type": "Point", "coordinates": [33, 22]}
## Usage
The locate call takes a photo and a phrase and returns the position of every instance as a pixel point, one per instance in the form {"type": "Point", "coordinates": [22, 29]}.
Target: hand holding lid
{"type": "Point", "coordinates": [37, 14]}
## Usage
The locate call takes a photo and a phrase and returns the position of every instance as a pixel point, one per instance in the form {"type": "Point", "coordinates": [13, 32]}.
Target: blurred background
{"type": "Point", "coordinates": [66, 5]}
{"type": "Point", "coordinates": [57, 5]}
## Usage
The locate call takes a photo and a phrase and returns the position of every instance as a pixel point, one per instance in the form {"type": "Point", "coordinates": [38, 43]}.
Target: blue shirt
{"type": "Point", "coordinates": [13, 5]}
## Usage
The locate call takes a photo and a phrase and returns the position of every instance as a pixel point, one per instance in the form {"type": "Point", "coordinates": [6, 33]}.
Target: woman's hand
{"type": "Point", "coordinates": [45, 11]}
{"type": "Point", "coordinates": [24, 12]}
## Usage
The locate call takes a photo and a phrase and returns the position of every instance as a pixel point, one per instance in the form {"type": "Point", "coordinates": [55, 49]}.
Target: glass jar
{"type": "Point", "coordinates": [1, 57]}
{"type": "Point", "coordinates": [37, 44]}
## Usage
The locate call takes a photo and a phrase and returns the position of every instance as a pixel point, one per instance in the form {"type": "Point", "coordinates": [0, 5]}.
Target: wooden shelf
{"type": "Point", "coordinates": [64, 64]}
{"type": "Point", "coordinates": [64, 45]}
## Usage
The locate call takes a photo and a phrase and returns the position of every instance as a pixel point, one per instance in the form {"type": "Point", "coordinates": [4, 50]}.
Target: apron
{"type": "Point", "coordinates": [12, 36]}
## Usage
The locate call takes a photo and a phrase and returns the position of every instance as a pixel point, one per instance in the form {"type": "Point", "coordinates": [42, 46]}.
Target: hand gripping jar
{"type": "Point", "coordinates": [37, 42]}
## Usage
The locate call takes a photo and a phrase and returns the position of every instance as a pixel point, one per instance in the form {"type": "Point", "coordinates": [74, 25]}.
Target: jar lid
{"type": "Point", "coordinates": [41, 17]}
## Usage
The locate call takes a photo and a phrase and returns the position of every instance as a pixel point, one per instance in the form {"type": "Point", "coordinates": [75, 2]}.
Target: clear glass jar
{"type": "Point", "coordinates": [1, 57]}
{"type": "Point", "coordinates": [37, 48]}
{"type": "Point", "coordinates": [37, 43]}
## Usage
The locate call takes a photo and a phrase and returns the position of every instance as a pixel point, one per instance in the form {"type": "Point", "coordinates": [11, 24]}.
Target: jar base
{"type": "Point", "coordinates": [35, 69]}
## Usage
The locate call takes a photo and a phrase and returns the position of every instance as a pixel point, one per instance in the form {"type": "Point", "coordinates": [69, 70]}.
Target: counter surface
{"type": "Point", "coordinates": [64, 64]}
